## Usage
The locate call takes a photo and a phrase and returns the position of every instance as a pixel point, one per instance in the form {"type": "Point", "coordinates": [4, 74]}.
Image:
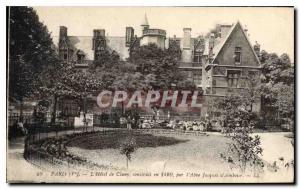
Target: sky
{"type": "Point", "coordinates": [272, 28]}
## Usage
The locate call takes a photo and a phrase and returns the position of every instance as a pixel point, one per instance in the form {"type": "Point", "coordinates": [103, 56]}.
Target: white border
{"type": "Point", "coordinates": [5, 3]}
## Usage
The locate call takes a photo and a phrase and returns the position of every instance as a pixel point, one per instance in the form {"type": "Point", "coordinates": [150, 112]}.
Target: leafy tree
{"type": "Point", "coordinates": [30, 51]}
{"type": "Point", "coordinates": [284, 95]}
{"type": "Point", "coordinates": [53, 85]}
{"type": "Point", "coordinates": [272, 66]}
{"type": "Point", "coordinates": [66, 81]}
{"type": "Point", "coordinates": [277, 88]}
{"type": "Point", "coordinates": [159, 65]}
{"type": "Point", "coordinates": [83, 85]}
{"type": "Point", "coordinates": [106, 59]}
{"type": "Point", "coordinates": [174, 50]}
{"type": "Point", "coordinates": [239, 122]}
{"type": "Point", "coordinates": [127, 147]}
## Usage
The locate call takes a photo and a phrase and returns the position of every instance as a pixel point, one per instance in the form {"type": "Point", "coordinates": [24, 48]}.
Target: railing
{"type": "Point", "coordinates": [172, 117]}
{"type": "Point", "coordinates": [154, 32]}
{"type": "Point", "coordinates": [27, 117]}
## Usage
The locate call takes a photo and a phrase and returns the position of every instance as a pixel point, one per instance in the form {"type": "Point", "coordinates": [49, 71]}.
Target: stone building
{"type": "Point", "coordinates": [220, 63]}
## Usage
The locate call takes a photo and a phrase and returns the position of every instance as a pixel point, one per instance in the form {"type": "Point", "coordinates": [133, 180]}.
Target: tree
{"type": "Point", "coordinates": [106, 59]}
{"type": "Point", "coordinates": [127, 147]}
{"type": "Point", "coordinates": [277, 85]}
{"type": "Point", "coordinates": [239, 122]}
{"type": "Point", "coordinates": [65, 81]}
{"type": "Point", "coordinates": [83, 85]}
{"type": "Point", "coordinates": [284, 95]}
{"type": "Point", "coordinates": [56, 84]}
{"type": "Point", "coordinates": [272, 66]}
{"type": "Point", "coordinates": [239, 119]}
{"type": "Point", "coordinates": [161, 66]}
{"type": "Point", "coordinates": [30, 51]}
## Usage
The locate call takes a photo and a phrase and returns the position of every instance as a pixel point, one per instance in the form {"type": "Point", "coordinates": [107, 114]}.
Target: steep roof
{"type": "Point", "coordinates": [218, 47]}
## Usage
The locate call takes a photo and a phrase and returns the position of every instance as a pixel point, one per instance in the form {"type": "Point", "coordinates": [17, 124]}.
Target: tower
{"type": "Point", "coordinates": [144, 24]}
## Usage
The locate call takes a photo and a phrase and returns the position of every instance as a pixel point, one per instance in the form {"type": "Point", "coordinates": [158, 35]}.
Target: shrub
{"type": "Point", "coordinates": [239, 122]}
{"type": "Point", "coordinates": [127, 147]}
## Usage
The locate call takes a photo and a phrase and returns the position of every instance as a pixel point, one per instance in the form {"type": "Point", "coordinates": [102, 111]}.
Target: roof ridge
{"type": "Point", "coordinates": [222, 43]}
{"type": "Point", "coordinates": [226, 38]}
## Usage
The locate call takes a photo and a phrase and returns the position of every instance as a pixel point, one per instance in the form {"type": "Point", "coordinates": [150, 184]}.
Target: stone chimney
{"type": "Point", "coordinates": [129, 36]}
{"type": "Point", "coordinates": [187, 38]}
{"type": "Point", "coordinates": [211, 40]}
{"type": "Point", "coordinates": [99, 32]}
{"type": "Point", "coordinates": [186, 45]}
{"type": "Point", "coordinates": [62, 40]}
{"type": "Point", "coordinates": [63, 33]}
{"type": "Point", "coordinates": [97, 35]}
{"type": "Point", "coordinates": [224, 30]}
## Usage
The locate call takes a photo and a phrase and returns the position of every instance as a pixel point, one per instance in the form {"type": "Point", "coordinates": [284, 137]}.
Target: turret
{"type": "Point", "coordinates": [145, 24]}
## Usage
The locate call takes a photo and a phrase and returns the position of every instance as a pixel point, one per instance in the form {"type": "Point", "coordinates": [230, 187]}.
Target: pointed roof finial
{"type": "Point", "coordinates": [145, 21]}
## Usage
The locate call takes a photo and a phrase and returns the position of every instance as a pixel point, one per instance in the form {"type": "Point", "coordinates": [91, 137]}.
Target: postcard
{"type": "Point", "coordinates": [150, 95]}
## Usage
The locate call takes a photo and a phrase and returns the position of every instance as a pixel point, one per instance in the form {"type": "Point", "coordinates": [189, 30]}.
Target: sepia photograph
{"type": "Point", "coordinates": [150, 94]}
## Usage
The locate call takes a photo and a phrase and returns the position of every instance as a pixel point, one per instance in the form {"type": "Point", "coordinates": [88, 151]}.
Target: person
{"type": "Point", "coordinates": [129, 122]}
{"type": "Point", "coordinates": [133, 123]}
{"type": "Point", "coordinates": [123, 122]}
{"type": "Point", "coordinates": [21, 128]}
{"type": "Point", "coordinates": [195, 125]}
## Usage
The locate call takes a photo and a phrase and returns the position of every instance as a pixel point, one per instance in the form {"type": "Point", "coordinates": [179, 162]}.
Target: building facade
{"type": "Point", "coordinates": [220, 63]}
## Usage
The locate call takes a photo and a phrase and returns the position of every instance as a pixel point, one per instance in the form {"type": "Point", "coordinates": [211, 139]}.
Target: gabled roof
{"type": "Point", "coordinates": [217, 49]}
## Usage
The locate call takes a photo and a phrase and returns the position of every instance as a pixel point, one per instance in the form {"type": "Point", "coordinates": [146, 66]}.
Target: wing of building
{"type": "Point", "coordinates": [220, 63]}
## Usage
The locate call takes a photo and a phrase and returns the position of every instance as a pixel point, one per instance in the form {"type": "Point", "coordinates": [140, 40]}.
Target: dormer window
{"type": "Point", "coordinates": [238, 55]}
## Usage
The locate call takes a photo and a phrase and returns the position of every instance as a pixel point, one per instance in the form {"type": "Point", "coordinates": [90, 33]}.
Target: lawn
{"type": "Point", "coordinates": [114, 140]}
{"type": "Point", "coordinates": [184, 153]}
{"type": "Point", "coordinates": [159, 152]}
